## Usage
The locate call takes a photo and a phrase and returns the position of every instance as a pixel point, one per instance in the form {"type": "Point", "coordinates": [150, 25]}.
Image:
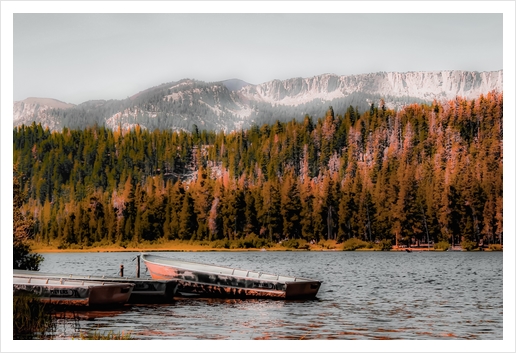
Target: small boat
{"type": "Point", "coordinates": [74, 292]}
{"type": "Point", "coordinates": [147, 291]}
{"type": "Point", "coordinates": [204, 280]}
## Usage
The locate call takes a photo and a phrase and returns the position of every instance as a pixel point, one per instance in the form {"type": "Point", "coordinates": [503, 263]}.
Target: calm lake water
{"type": "Point", "coordinates": [364, 296]}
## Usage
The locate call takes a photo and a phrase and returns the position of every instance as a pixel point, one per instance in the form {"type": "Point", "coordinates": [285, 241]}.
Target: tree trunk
{"type": "Point", "coordinates": [426, 228]}
{"type": "Point", "coordinates": [368, 221]}
{"type": "Point", "coordinates": [329, 224]}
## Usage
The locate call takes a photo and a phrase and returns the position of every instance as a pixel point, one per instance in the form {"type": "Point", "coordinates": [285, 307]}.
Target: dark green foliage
{"type": "Point", "coordinates": [221, 244]}
{"type": "Point", "coordinates": [295, 244]}
{"type": "Point", "coordinates": [424, 173]}
{"type": "Point", "coordinates": [187, 220]}
{"type": "Point", "coordinates": [23, 228]}
{"type": "Point", "coordinates": [495, 247]}
{"type": "Point", "coordinates": [31, 317]}
{"type": "Point", "coordinates": [468, 245]}
{"type": "Point", "coordinates": [385, 245]}
{"type": "Point", "coordinates": [23, 259]}
{"type": "Point", "coordinates": [442, 245]}
{"type": "Point", "coordinates": [254, 241]}
{"type": "Point", "coordinates": [354, 244]}
{"type": "Point", "coordinates": [251, 241]}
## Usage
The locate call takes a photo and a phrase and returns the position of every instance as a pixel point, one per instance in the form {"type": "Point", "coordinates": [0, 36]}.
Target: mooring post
{"type": "Point", "coordinates": [121, 270]}
{"type": "Point", "coordinates": [137, 266]}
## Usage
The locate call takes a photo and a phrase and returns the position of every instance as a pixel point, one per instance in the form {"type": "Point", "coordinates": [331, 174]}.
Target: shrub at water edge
{"type": "Point", "coordinates": [468, 245]}
{"type": "Point", "coordinates": [442, 245]}
{"type": "Point", "coordinates": [300, 244]}
{"type": "Point", "coordinates": [354, 244]}
{"type": "Point", "coordinates": [384, 245]}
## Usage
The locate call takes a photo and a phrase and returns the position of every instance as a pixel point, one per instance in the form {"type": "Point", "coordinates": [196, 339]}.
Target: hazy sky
{"type": "Point", "coordinates": [78, 57]}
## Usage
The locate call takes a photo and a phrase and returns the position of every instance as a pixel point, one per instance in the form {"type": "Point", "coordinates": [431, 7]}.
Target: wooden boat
{"type": "Point", "coordinates": [224, 282]}
{"type": "Point", "coordinates": [74, 292]}
{"type": "Point", "coordinates": [147, 291]}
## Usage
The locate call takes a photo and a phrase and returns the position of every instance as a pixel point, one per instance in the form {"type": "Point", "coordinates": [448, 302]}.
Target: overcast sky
{"type": "Point", "coordinates": [79, 57]}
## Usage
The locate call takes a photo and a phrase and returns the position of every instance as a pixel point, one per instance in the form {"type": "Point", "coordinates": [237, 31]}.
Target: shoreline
{"type": "Point", "coordinates": [113, 250]}
{"type": "Point", "coordinates": [187, 247]}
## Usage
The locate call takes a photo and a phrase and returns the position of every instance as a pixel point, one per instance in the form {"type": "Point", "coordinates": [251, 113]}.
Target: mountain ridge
{"type": "Point", "coordinates": [235, 104]}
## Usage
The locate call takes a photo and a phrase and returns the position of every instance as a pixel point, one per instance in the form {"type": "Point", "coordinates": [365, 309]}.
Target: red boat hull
{"type": "Point", "coordinates": [216, 281]}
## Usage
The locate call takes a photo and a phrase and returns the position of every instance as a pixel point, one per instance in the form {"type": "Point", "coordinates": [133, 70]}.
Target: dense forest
{"type": "Point", "coordinates": [428, 172]}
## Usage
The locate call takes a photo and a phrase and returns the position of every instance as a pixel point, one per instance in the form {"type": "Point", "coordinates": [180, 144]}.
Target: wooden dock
{"type": "Point", "coordinates": [145, 291]}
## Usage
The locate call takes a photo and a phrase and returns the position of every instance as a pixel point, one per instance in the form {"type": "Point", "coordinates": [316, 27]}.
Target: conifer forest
{"type": "Point", "coordinates": [427, 172]}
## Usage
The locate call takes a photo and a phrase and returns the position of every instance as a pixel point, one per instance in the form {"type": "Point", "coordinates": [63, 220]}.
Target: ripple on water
{"type": "Point", "coordinates": [364, 295]}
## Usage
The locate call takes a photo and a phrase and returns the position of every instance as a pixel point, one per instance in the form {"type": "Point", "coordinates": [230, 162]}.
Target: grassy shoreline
{"type": "Point", "coordinates": [180, 246]}
{"type": "Point", "coordinates": [174, 248]}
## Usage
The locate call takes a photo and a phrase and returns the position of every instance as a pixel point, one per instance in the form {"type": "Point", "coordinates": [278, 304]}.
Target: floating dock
{"type": "Point", "coordinates": [144, 291]}
{"type": "Point", "coordinates": [74, 292]}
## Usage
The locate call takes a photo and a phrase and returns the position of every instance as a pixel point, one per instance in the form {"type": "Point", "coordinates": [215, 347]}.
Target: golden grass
{"type": "Point", "coordinates": [175, 245]}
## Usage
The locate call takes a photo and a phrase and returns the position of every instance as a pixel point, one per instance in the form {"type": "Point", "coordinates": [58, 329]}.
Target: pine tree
{"type": "Point", "coordinates": [251, 220]}
{"type": "Point", "coordinates": [201, 191]}
{"type": "Point", "coordinates": [306, 200]}
{"type": "Point", "coordinates": [270, 214]}
{"type": "Point", "coordinates": [187, 220]}
{"type": "Point", "coordinates": [290, 206]}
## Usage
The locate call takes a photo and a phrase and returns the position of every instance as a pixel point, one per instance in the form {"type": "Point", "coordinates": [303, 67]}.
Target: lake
{"type": "Point", "coordinates": [364, 296]}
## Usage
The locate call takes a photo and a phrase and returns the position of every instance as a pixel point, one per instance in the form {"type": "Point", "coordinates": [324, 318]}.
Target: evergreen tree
{"type": "Point", "coordinates": [290, 206]}
{"type": "Point", "coordinates": [187, 220]}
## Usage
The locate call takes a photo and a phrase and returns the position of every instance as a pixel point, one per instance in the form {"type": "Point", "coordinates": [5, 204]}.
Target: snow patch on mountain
{"type": "Point", "coordinates": [38, 109]}
{"type": "Point", "coordinates": [182, 83]}
{"type": "Point", "coordinates": [441, 85]}
{"type": "Point", "coordinates": [128, 118]}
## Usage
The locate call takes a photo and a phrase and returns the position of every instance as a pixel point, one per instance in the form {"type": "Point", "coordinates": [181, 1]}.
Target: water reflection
{"type": "Point", "coordinates": [363, 296]}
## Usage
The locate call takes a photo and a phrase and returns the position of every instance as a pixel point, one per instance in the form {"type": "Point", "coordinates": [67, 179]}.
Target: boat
{"type": "Point", "coordinates": [145, 291]}
{"type": "Point", "coordinates": [74, 292]}
{"type": "Point", "coordinates": [205, 280]}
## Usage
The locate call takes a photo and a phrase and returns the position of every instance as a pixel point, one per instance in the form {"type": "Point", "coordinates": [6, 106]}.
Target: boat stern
{"type": "Point", "coordinates": [110, 294]}
{"type": "Point", "coordinates": [302, 289]}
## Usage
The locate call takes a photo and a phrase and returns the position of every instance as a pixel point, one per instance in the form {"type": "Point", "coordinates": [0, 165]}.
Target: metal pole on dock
{"type": "Point", "coordinates": [138, 266]}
